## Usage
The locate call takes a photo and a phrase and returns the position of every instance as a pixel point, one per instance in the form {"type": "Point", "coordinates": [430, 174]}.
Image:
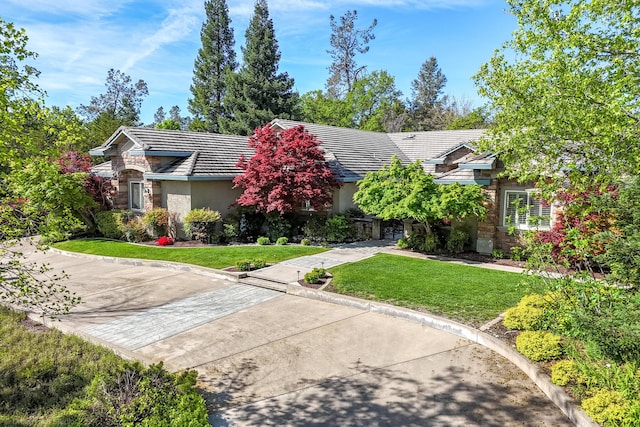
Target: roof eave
{"type": "Point", "coordinates": [476, 166]}
{"type": "Point", "coordinates": [168, 177]}
{"type": "Point", "coordinates": [446, 181]}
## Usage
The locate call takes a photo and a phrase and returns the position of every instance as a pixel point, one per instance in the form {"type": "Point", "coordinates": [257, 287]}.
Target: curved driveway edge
{"type": "Point", "coordinates": [553, 392]}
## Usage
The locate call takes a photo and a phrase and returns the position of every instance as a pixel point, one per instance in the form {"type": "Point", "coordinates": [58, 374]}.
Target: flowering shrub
{"type": "Point", "coordinates": [579, 231]}
{"type": "Point", "coordinates": [164, 241]}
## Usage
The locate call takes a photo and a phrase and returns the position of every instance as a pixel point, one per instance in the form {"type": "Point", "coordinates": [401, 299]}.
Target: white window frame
{"type": "Point", "coordinates": [522, 220]}
{"type": "Point", "coordinates": [306, 206]}
{"type": "Point", "coordinates": [133, 183]}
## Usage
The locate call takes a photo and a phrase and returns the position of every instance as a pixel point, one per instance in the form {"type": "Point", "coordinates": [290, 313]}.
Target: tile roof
{"type": "Point", "coordinates": [351, 153]}
{"type": "Point", "coordinates": [205, 154]}
{"type": "Point", "coordinates": [356, 152]}
{"type": "Point", "coordinates": [432, 144]}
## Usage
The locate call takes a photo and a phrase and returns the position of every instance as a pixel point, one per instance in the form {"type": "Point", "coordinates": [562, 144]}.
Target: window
{"type": "Point", "coordinates": [136, 195]}
{"type": "Point", "coordinates": [306, 206]}
{"type": "Point", "coordinates": [524, 212]}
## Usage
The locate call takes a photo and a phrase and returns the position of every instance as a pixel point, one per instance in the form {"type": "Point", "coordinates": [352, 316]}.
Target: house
{"type": "Point", "coordinates": [180, 171]}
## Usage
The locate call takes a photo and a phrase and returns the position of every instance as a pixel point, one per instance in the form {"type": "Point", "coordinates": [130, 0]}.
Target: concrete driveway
{"type": "Point", "coordinates": [268, 358]}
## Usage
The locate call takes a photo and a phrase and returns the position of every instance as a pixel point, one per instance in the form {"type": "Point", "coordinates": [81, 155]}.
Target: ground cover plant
{"type": "Point", "coordinates": [211, 257]}
{"type": "Point", "coordinates": [52, 379]}
{"type": "Point", "coordinates": [466, 293]}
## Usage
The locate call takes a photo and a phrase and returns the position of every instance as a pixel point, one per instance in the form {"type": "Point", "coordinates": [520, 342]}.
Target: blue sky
{"type": "Point", "coordinates": [78, 41]}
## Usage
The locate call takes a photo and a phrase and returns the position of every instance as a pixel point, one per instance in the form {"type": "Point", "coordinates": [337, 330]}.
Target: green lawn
{"type": "Point", "coordinates": [470, 294]}
{"type": "Point", "coordinates": [212, 257]}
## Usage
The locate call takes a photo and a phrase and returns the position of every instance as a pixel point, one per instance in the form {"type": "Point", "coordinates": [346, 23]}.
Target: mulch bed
{"type": "Point", "coordinates": [488, 259]}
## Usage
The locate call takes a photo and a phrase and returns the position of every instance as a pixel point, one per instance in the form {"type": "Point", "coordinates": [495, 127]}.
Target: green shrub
{"type": "Point", "coordinates": [354, 213]}
{"type": "Point", "coordinates": [110, 223]}
{"type": "Point", "coordinates": [141, 396]}
{"type": "Point", "coordinates": [305, 242]}
{"type": "Point", "coordinates": [199, 224]}
{"type": "Point", "coordinates": [607, 407]}
{"type": "Point", "coordinates": [282, 241]}
{"type": "Point", "coordinates": [230, 232]}
{"type": "Point", "coordinates": [423, 242]}
{"type": "Point", "coordinates": [277, 226]}
{"type": "Point", "coordinates": [314, 276]}
{"type": "Point", "coordinates": [258, 263]}
{"type": "Point", "coordinates": [135, 231]}
{"type": "Point", "coordinates": [402, 243]}
{"type": "Point", "coordinates": [566, 372]}
{"type": "Point", "coordinates": [263, 241]}
{"type": "Point", "coordinates": [431, 243]}
{"type": "Point", "coordinates": [518, 253]}
{"type": "Point", "coordinates": [497, 254]}
{"type": "Point", "coordinates": [314, 229]}
{"type": "Point", "coordinates": [457, 241]}
{"type": "Point", "coordinates": [539, 345]}
{"type": "Point", "coordinates": [528, 315]}
{"type": "Point", "coordinates": [339, 229]}
{"type": "Point", "coordinates": [244, 265]}
{"type": "Point", "coordinates": [157, 221]}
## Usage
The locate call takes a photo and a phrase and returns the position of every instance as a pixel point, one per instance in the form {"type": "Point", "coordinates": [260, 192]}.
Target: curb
{"type": "Point", "coordinates": [175, 266]}
{"type": "Point", "coordinates": [555, 393]}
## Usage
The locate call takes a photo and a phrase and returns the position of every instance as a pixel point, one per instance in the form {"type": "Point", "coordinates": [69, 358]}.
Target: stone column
{"type": "Point", "coordinates": [377, 233]}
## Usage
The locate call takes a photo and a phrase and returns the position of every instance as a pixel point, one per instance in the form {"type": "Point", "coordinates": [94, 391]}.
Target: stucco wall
{"type": "Point", "coordinates": [176, 197]}
{"type": "Point", "coordinates": [343, 198]}
{"type": "Point", "coordinates": [217, 195]}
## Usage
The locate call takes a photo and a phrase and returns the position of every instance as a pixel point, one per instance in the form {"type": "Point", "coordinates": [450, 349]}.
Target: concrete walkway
{"type": "Point", "coordinates": [269, 358]}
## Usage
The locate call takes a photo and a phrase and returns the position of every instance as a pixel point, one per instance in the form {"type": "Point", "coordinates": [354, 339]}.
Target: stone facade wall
{"type": "Point", "coordinates": [492, 234]}
{"type": "Point", "coordinates": [130, 167]}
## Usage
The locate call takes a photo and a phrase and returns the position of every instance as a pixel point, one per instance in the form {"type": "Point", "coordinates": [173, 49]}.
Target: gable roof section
{"type": "Point", "coordinates": [351, 153]}
{"type": "Point", "coordinates": [462, 176]}
{"type": "Point", "coordinates": [199, 156]}
{"type": "Point", "coordinates": [430, 145]}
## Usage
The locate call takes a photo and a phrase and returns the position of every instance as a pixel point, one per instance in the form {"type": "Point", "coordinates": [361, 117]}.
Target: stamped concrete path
{"type": "Point", "coordinates": [269, 358]}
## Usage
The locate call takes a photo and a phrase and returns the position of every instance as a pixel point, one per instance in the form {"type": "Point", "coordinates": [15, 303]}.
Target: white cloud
{"type": "Point", "coordinates": [179, 24]}
{"type": "Point", "coordinates": [75, 7]}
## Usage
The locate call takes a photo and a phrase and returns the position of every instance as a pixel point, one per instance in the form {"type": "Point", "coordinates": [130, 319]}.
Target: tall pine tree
{"type": "Point", "coordinates": [257, 93]}
{"type": "Point", "coordinates": [215, 59]}
{"type": "Point", "coordinates": [428, 104]}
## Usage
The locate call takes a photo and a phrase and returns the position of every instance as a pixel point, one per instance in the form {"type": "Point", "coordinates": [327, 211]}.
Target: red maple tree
{"type": "Point", "coordinates": [287, 170]}
{"type": "Point", "coordinates": [98, 187]}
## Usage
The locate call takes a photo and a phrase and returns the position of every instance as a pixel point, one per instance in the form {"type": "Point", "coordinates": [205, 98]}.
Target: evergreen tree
{"type": "Point", "coordinates": [215, 59]}
{"type": "Point", "coordinates": [257, 93]}
{"type": "Point", "coordinates": [428, 104]}
{"type": "Point", "coordinates": [346, 41]}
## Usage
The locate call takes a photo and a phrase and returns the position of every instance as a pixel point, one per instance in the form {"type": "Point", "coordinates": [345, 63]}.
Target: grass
{"type": "Point", "coordinates": [470, 294]}
{"type": "Point", "coordinates": [43, 370]}
{"type": "Point", "coordinates": [211, 257]}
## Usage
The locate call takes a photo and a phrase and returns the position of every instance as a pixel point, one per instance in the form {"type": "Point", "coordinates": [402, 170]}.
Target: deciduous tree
{"type": "Point", "coordinates": [372, 104]}
{"type": "Point", "coordinates": [22, 109]}
{"type": "Point", "coordinates": [346, 41]}
{"type": "Point", "coordinates": [215, 59]}
{"type": "Point", "coordinates": [287, 170]}
{"type": "Point", "coordinates": [257, 93]}
{"type": "Point", "coordinates": [21, 100]}
{"type": "Point", "coordinates": [564, 90]}
{"type": "Point", "coordinates": [401, 192]}
{"type": "Point", "coordinates": [118, 106]}
{"type": "Point", "coordinates": [371, 99]}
